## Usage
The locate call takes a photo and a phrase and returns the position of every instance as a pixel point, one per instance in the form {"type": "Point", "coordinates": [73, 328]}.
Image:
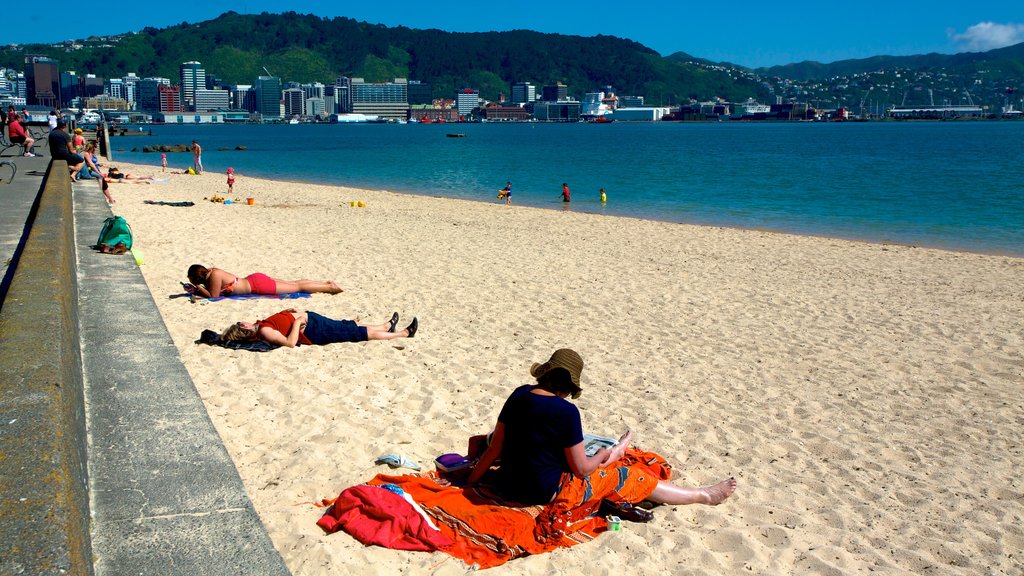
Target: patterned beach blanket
{"type": "Point", "coordinates": [485, 529]}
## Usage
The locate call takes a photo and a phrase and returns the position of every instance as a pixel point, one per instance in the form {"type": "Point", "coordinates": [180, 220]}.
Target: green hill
{"type": "Point", "coordinates": [306, 48]}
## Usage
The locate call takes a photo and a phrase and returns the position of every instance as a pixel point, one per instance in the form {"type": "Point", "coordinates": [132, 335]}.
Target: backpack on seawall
{"type": "Point", "coordinates": [115, 231]}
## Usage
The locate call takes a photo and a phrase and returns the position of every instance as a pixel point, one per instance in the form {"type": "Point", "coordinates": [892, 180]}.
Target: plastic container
{"type": "Point", "coordinates": [250, 201]}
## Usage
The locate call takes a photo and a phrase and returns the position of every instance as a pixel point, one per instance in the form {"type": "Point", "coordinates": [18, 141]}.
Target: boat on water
{"type": "Point", "coordinates": [598, 107]}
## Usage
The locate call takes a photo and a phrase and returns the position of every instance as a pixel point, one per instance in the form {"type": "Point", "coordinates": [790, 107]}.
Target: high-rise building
{"type": "Point", "coordinates": [466, 100]}
{"type": "Point", "coordinates": [207, 100]}
{"type": "Point", "coordinates": [294, 100]}
{"type": "Point", "coordinates": [115, 88]}
{"type": "Point", "coordinates": [555, 93]}
{"type": "Point", "coordinates": [386, 100]}
{"type": "Point", "coordinates": [91, 86]}
{"type": "Point", "coordinates": [193, 77]}
{"type": "Point", "coordinates": [343, 94]}
{"type": "Point", "coordinates": [147, 94]}
{"type": "Point", "coordinates": [170, 98]}
{"type": "Point", "coordinates": [268, 96]}
{"type": "Point", "coordinates": [42, 82]}
{"type": "Point", "coordinates": [130, 80]}
{"type": "Point", "coordinates": [315, 107]}
{"type": "Point", "coordinates": [523, 92]}
{"type": "Point", "coordinates": [314, 90]}
{"type": "Point", "coordinates": [243, 97]}
{"type": "Point", "coordinates": [69, 89]}
{"type": "Point", "coordinates": [420, 93]}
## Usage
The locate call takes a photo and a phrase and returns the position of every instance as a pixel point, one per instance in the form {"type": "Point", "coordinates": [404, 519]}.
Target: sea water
{"type": "Point", "coordinates": [956, 185]}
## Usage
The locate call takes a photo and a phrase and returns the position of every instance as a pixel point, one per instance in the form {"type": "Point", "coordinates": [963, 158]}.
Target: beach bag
{"type": "Point", "coordinates": [115, 231]}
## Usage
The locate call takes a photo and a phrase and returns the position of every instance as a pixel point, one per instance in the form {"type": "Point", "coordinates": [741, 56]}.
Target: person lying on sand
{"type": "Point", "coordinates": [539, 439]}
{"type": "Point", "coordinates": [214, 282]}
{"type": "Point", "coordinates": [291, 328]}
{"type": "Point", "coordinates": [115, 175]}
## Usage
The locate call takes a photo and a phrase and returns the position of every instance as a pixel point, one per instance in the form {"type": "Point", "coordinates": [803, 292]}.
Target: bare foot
{"type": "Point", "coordinates": [717, 493]}
{"type": "Point", "coordinates": [335, 289]}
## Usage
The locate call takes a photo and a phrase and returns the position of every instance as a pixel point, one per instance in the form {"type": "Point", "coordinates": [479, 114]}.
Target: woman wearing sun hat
{"type": "Point", "coordinates": [539, 440]}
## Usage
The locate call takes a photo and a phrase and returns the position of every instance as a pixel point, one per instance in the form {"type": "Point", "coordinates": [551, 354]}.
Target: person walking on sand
{"type": "Point", "coordinates": [231, 180]}
{"type": "Point", "coordinates": [197, 157]}
{"type": "Point", "coordinates": [565, 192]}
{"type": "Point", "coordinates": [163, 162]}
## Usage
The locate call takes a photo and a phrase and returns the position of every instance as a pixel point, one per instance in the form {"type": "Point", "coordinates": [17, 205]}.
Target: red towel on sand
{"type": "Point", "coordinates": [374, 515]}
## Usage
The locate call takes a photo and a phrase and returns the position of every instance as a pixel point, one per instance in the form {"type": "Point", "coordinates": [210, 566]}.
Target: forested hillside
{"type": "Point", "coordinates": [307, 48]}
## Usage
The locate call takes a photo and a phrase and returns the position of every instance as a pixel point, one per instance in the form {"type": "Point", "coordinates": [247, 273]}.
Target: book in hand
{"type": "Point", "coordinates": [592, 443]}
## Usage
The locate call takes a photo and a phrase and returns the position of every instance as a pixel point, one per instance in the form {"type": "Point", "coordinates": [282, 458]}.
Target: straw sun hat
{"type": "Point", "coordinates": [565, 359]}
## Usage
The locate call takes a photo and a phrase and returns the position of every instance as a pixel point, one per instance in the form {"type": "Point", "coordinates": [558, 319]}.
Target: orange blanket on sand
{"type": "Point", "coordinates": [488, 531]}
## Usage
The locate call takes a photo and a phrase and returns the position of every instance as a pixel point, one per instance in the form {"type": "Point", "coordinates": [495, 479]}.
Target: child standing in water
{"type": "Point", "coordinates": [231, 180]}
{"type": "Point", "coordinates": [604, 197]}
{"type": "Point", "coordinates": [565, 192]}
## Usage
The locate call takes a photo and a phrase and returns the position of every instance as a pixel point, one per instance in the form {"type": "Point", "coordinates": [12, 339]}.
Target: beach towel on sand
{"type": "Point", "coordinates": [487, 530]}
{"type": "Point", "coordinates": [288, 296]}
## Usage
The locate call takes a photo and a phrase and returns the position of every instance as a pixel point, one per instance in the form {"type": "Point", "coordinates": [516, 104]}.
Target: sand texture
{"type": "Point", "coordinates": [867, 397]}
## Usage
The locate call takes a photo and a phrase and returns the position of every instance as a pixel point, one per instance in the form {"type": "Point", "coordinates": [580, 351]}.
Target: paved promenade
{"type": "Point", "coordinates": [109, 463]}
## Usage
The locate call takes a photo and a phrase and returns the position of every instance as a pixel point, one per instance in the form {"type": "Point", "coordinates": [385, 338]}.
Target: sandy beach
{"type": "Point", "coordinates": [867, 397]}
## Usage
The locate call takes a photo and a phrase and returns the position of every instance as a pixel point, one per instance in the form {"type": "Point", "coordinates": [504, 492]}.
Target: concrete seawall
{"type": "Point", "coordinates": [109, 463]}
{"type": "Point", "coordinates": [44, 505]}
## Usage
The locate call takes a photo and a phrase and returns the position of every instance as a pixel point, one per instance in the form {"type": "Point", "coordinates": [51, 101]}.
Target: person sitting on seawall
{"type": "Point", "coordinates": [17, 134]}
{"type": "Point", "coordinates": [214, 282]}
{"type": "Point", "coordinates": [92, 167]}
{"type": "Point", "coordinates": [291, 328]}
{"type": "Point", "coordinates": [539, 439]}
{"type": "Point", "coordinates": [61, 149]}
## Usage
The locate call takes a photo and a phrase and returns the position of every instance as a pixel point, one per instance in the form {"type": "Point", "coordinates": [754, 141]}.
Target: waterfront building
{"type": "Point", "coordinates": [314, 90]}
{"type": "Point", "coordinates": [114, 87]}
{"type": "Point", "coordinates": [523, 92]}
{"type": "Point", "coordinates": [316, 107]}
{"type": "Point", "coordinates": [466, 100]}
{"type": "Point", "coordinates": [243, 97]}
{"type": "Point", "coordinates": [640, 114]}
{"type": "Point", "coordinates": [130, 82]}
{"type": "Point", "coordinates": [343, 94]}
{"type": "Point", "coordinates": [193, 77]}
{"type": "Point", "coordinates": [207, 100]}
{"type": "Point", "coordinates": [69, 89]}
{"type": "Point", "coordinates": [147, 95]}
{"type": "Point", "coordinates": [427, 113]}
{"type": "Point", "coordinates": [189, 118]}
{"type": "Point", "coordinates": [42, 81]}
{"type": "Point", "coordinates": [294, 98]}
{"type": "Point", "coordinates": [555, 93]}
{"type": "Point", "coordinates": [384, 100]}
{"type": "Point", "coordinates": [420, 92]}
{"type": "Point", "coordinates": [631, 101]}
{"type": "Point", "coordinates": [268, 96]}
{"type": "Point", "coordinates": [91, 86]}
{"type": "Point", "coordinates": [330, 99]}
{"type": "Point", "coordinates": [498, 113]}
{"type": "Point", "coordinates": [169, 98]}
{"type": "Point", "coordinates": [563, 111]}
{"type": "Point", "coordinates": [104, 102]}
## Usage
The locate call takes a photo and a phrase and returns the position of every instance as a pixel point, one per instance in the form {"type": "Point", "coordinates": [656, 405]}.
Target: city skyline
{"type": "Point", "coordinates": [747, 37]}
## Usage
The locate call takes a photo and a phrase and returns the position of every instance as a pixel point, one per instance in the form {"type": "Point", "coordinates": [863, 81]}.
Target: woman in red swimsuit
{"type": "Point", "coordinates": [214, 282]}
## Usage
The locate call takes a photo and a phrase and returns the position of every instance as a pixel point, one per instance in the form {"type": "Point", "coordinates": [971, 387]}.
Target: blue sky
{"type": "Point", "coordinates": [750, 34]}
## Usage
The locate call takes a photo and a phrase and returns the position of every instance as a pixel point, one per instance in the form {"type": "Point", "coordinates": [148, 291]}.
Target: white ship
{"type": "Point", "coordinates": [749, 108]}
{"type": "Point", "coordinates": [598, 106]}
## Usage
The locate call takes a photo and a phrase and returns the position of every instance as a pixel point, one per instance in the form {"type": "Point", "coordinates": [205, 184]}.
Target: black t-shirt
{"type": "Point", "coordinates": [58, 142]}
{"type": "Point", "coordinates": [538, 429]}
